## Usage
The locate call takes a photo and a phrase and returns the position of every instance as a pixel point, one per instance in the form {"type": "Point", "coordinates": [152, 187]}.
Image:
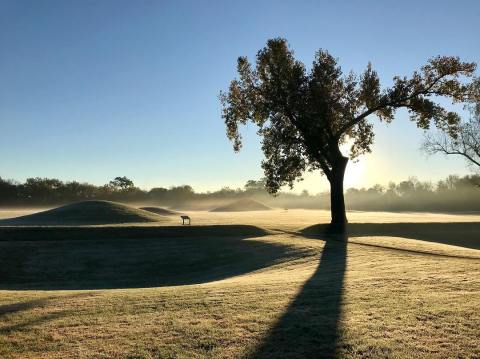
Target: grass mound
{"type": "Point", "coordinates": [245, 204]}
{"type": "Point", "coordinates": [86, 213]}
{"type": "Point", "coordinates": [160, 211]}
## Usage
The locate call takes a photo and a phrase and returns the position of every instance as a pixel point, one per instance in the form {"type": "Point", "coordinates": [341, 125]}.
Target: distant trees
{"type": "Point", "coordinates": [8, 190]}
{"type": "Point", "coordinates": [121, 184]}
{"type": "Point", "coordinates": [451, 194]}
{"type": "Point", "coordinates": [465, 142]}
{"type": "Point", "coordinates": [305, 116]}
{"type": "Point", "coordinates": [41, 189]}
{"type": "Point", "coordinates": [253, 186]}
{"type": "Point", "coordinates": [75, 191]}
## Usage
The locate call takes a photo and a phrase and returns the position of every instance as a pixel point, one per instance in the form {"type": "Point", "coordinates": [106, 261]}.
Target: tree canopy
{"type": "Point", "coordinates": [121, 184]}
{"type": "Point", "coordinates": [304, 115]}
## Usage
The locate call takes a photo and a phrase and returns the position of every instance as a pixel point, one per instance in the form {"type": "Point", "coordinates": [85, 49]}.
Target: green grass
{"type": "Point", "coordinates": [386, 291]}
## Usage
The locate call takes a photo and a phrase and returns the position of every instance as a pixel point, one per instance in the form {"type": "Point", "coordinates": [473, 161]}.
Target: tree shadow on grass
{"type": "Point", "coordinates": [136, 257]}
{"type": "Point", "coordinates": [35, 321]}
{"type": "Point", "coordinates": [310, 326]}
{"type": "Point", "coordinates": [84, 233]}
{"type": "Point", "coordinates": [7, 310]}
{"type": "Point", "coordinates": [462, 234]}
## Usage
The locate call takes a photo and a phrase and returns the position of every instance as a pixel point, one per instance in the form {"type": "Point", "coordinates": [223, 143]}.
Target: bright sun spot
{"type": "Point", "coordinates": [354, 174]}
{"type": "Point", "coordinates": [355, 170]}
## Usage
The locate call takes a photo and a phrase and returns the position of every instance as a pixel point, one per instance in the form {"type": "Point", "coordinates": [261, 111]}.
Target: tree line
{"type": "Point", "coordinates": [451, 194]}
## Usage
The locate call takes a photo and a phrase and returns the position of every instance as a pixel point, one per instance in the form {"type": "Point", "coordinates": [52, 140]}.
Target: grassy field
{"type": "Point", "coordinates": [244, 285]}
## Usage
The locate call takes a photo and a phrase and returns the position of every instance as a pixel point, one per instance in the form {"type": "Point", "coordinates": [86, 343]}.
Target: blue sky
{"type": "Point", "coordinates": [91, 90]}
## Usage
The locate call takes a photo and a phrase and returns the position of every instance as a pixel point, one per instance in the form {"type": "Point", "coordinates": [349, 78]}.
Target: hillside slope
{"type": "Point", "coordinates": [86, 213]}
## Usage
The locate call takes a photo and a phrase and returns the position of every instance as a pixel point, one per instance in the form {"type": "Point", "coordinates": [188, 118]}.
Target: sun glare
{"type": "Point", "coordinates": [354, 174]}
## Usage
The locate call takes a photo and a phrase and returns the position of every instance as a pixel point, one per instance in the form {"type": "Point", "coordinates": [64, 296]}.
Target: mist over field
{"type": "Point", "coordinates": [453, 194]}
{"type": "Point", "coordinates": [239, 179]}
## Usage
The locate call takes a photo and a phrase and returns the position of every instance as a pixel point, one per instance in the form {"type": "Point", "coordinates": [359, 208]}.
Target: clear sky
{"type": "Point", "coordinates": [90, 90]}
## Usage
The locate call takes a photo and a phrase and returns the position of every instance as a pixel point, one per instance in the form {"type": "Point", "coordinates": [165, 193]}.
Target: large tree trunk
{"type": "Point", "coordinates": [337, 201]}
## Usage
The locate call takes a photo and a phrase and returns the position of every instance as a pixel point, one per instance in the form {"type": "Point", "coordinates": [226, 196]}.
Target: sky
{"type": "Point", "coordinates": [91, 90]}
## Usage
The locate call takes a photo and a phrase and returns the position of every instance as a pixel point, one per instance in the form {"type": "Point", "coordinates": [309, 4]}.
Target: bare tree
{"type": "Point", "coordinates": [464, 142]}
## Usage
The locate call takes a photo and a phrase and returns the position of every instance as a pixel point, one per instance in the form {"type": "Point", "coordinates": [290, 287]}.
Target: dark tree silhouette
{"type": "Point", "coordinates": [305, 116]}
{"type": "Point", "coordinates": [253, 186]}
{"type": "Point", "coordinates": [8, 190]}
{"type": "Point", "coordinates": [121, 183]}
{"type": "Point", "coordinates": [464, 142]}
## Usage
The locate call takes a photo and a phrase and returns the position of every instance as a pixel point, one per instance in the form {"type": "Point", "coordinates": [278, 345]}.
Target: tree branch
{"type": "Point", "coordinates": [461, 154]}
{"type": "Point", "coordinates": [397, 104]}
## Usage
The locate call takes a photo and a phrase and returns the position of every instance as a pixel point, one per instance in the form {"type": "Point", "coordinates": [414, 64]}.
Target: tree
{"type": "Point", "coordinates": [41, 189]}
{"type": "Point", "coordinates": [121, 184]}
{"type": "Point", "coordinates": [179, 193]}
{"type": "Point", "coordinates": [465, 142]}
{"type": "Point", "coordinates": [305, 116]}
{"type": "Point", "coordinates": [253, 186]}
{"type": "Point", "coordinates": [74, 190]}
{"type": "Point", "coordinates": [8, 191]}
